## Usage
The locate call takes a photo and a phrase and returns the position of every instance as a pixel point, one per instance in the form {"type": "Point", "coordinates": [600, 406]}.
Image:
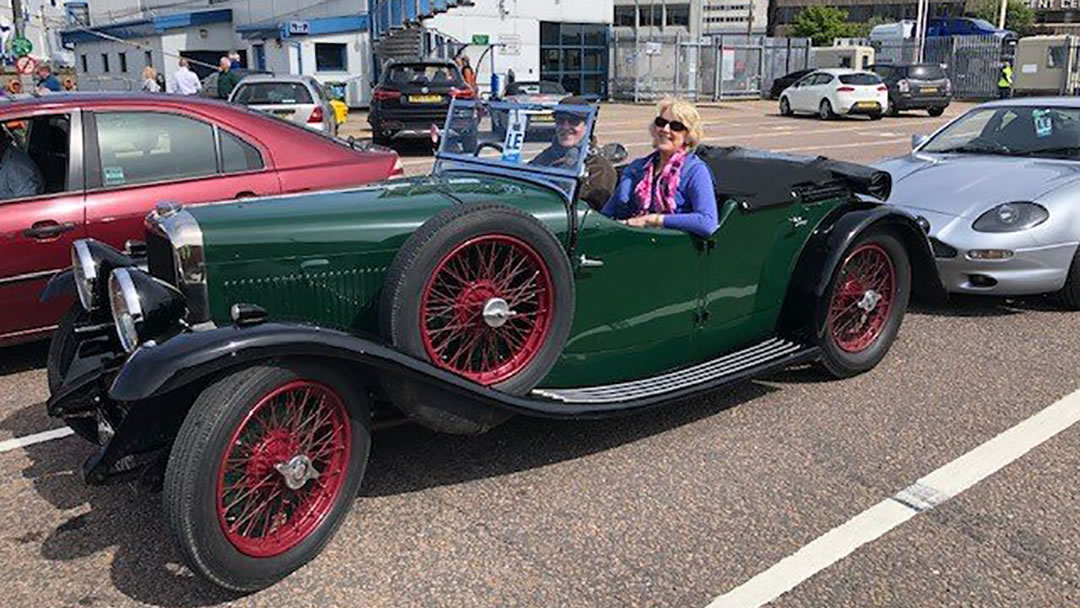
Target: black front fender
{"type": "Point", "coordinates": [835, 234]}
{"type": "Point", "coordinates": [62, 283]}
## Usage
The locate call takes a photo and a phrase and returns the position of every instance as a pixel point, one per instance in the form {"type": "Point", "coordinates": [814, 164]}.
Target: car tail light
{"type": "Point", "coordinates": [845, 89]}
{"type": "Point", "coordinates": [465, 93]}
{"type": "Point", "coordinates": [903, 86]}
{"type": "Point", "coordinates": [883, 88]}
{"type": "Point", "coordinates": [316, 115]}
{"type": "Point", "coordinates": [384, 94]}
{"type": "Point", "coordinates": [399, 169]}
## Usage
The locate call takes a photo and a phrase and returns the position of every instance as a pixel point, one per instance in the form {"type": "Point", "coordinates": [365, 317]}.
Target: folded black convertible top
{"type": "Point", "coordinates": [759, 178]}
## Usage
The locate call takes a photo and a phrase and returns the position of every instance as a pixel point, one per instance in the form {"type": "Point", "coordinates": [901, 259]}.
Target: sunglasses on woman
{"type": "Point", "coordinates": [662, 122]}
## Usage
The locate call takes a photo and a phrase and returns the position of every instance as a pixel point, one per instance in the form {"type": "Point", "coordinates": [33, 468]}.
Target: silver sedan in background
{"type": "Point", "coordinates": [299, 99]}
{"type": "Point", "coordinates": [1000, 188]}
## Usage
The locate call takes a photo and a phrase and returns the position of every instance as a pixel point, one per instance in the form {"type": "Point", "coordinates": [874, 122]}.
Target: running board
{"type": "Point", "coordinates": [732, 367]}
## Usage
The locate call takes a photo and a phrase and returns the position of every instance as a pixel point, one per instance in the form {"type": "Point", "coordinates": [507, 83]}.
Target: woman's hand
{"type": "Point", "coordinates": [650, 220]}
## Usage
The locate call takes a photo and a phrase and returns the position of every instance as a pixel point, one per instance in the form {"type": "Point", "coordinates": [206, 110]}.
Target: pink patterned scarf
{"type": "Point", "coordinates": [660, 199]}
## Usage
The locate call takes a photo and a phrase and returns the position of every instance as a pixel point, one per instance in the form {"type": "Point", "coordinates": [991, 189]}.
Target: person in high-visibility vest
{"type": "Point", "coordinates": [1005, 82]}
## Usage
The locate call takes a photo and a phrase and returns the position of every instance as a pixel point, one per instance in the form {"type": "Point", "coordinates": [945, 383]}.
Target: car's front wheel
{"type": "Point", "coordinates": [860, 313]}
{"type": "Point", "coordinates": [935, 111]}
{"type": "Point", "coordinates": [875, 116]}
{"type": "Point", "coordinates": [785, 107]}
{"type": "Point", "coordinates": [825, 110]}
{"type": "Point", "coordinates": [264, 470]}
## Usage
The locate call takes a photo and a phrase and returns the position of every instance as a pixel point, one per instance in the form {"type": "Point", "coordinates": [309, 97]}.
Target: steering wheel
{"type": "Point", "coordinates": [986, 142]}
{"type": "Point", "coordinates": [488, 144]}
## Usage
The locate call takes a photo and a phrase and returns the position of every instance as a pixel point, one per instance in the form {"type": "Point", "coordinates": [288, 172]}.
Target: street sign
{"type": "Point", "coordinates": [25, 65]}
{"type": "Point", "coordinates": [510, 44]}
{"type": "Point", "coordinates": [21, 46]}
{"type": "Point", "coordinates": [652, 48]}
{"type": "Point", "coordinates": [299, 28]}
{"type": "Point", "coordinates": [480, 39]}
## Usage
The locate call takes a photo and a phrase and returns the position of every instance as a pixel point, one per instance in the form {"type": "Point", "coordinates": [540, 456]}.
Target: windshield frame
{"type": "Point", "coordinates": [565, 180]}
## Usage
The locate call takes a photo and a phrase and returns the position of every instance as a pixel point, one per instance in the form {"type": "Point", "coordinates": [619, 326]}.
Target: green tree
{"type": "Point", "coordinates": [1019, 16]}
{"type": "Point", "coordinates": [822, 24]}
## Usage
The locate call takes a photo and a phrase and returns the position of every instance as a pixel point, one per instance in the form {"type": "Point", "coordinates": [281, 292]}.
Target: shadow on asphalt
{"type": "Point", "coordinates": [146, 567]}
{"type": "Point", "coordinates": [23, 357]}
{"type": "Point", "coordinates": [962, 305]}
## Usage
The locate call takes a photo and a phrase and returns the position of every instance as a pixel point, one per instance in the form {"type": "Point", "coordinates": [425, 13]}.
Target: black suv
{"type": "Point", "coordinates": [920, 86]}
{"type": "Point", "coordinates": [411, 96]}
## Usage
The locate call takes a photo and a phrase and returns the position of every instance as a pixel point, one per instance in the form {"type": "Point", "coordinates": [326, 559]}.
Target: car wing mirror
{"type": "Point", "coordinates": [918, 140]}
{"type": "Point", "coordinates": [614, 153]}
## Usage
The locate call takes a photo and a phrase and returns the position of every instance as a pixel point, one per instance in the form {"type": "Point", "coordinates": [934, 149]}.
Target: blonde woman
{"type": "Point", "coordinates": [671, 187]}
{"type": "Point", "coordinates": [149, 84]}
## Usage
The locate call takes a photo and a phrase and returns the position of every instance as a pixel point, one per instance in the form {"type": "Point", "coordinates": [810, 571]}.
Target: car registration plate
{"type": "Point", "coordinates": [543, 118]}
{"type": "Point", "coordinates": [425, 98]}
{"type": "Point", "coordinates": [866, 104]}
{"type": "Point", "coordinates": [928, 89]}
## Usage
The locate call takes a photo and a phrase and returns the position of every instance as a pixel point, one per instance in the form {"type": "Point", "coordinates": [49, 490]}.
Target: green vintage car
{"type": "Point", "coordinates": [242, 364]}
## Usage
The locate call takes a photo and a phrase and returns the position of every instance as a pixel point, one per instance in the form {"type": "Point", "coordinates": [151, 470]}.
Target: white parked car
{"type": "Point", "coordinates": [837, 91]}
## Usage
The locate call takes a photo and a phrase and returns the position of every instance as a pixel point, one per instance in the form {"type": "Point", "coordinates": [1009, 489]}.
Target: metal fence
{"type": "Point", "coordinates": [711, 68]}
{"type": "Point", "coordinates": [972, 63]}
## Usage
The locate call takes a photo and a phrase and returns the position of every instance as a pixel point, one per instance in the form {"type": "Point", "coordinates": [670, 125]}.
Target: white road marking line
{"type": "Point", "coordinates": [21, 442]}
{"type": "Point", "coordinates": [926, 493]}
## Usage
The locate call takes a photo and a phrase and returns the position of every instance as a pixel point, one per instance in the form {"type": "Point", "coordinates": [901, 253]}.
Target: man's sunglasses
{"type": "Point", "coordinates": [570, 118]}
{"type": "Point", "coordinates": [662, 122]}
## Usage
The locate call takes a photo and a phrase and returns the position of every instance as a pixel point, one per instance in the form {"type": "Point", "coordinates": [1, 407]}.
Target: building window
{"type": "Point", "coordinates": [624, 15]}
{"type": "Point", "coordinates": [148, 58]}
{"type": "Point", "coordinates": [650, 15]}
{"type": "Point", "coordinates": [123, 62]}
{"type": "Point", "coordinates": [146, 147]}
{"type": "Point", "coordinates": [678, 15]}
{"type": "Point", "coordinates": [105, 62]}
{"type": "Point", "coordinates": [85, 63]}
{"type": "Point", "coordinates": [576, 56]}
{"type": "Point", "coordinates": [331, 57]}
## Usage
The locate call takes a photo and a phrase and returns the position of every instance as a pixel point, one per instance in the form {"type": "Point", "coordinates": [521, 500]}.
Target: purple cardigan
{"type": "Point", "coordinates": [695, 199]}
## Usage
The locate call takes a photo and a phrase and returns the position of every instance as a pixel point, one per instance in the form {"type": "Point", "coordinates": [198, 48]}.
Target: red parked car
{"type": "Point", "coordinates": [106, 160]}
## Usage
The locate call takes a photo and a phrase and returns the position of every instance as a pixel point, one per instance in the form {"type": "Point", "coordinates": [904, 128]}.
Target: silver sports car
{"type": "Point", "coordinates": [1000, 187]}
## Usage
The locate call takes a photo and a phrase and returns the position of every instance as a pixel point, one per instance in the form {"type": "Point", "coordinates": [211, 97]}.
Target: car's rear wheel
{"type": "Point", "coordinates": [785, 107]}
{"type": "Point", "coordinates": [484, 292]}
{"type": "Point", "coordinates": [861, 311]}
{"type": "Point", "coordinates": [875, 116]}
{"type": "Point", "coordinates": [1069, 296]}
{"type": "Point", "coordinates": [935, 111]}
{"type": "Point", "coordinates": [891, 109]}
{"type": "Point", "coordinates": [264, 470]}
{"type": "Point", "coordinates": [825, 111]}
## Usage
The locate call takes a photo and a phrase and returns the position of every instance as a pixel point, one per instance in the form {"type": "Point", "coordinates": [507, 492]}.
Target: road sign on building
{"type": "Point", "coordinates": [481, 39]}
{"type": "Point", "coordinates": [21, 46]}
{"type": "Point", "coordinates": [25, 65]}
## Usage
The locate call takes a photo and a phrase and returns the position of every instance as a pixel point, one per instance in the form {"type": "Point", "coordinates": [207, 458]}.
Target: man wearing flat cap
{"type": "Point", "coordinates": [563, 152]}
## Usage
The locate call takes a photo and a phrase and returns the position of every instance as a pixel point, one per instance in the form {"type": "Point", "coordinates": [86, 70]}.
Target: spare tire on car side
{"type": "Point", "coordinates": [484, 291]}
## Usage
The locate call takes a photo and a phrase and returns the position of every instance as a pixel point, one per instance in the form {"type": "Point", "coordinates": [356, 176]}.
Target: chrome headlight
{"type": "Point", "coordinates": [91, 263]}
{"type": "Point", "coordinates": [143, 307]}
{"type": "Point", "coordinates": [1011, 217]}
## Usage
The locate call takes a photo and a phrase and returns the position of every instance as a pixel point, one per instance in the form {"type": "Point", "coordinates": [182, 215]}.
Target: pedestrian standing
{"type": "Point", "coordinates": [510, 78]}
{"type": "Point", "coordinates": [47, 81]}
{"type": "Point", "coordinates": [184, 81]}
{"type": "Point", "coordinates": [150, 83]}
{"type": "Point", "coordinates": [227, 79]}
{"type": "Point", "coordinates": [467, 72]}
{"type": "Point", "coordinates": [1005, 82]}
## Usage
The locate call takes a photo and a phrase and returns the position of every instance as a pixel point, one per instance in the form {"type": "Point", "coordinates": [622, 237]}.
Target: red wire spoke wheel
{"type": "Point", "coordinates": [862, 300]}
{"type": "Point", "coordinates": [486, 310]}
{"type": "Point", "coordinates": [283, 468]}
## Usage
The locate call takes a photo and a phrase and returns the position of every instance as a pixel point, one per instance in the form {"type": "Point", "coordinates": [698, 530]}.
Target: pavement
{"type": "Point", "coordinates": [675, 507]}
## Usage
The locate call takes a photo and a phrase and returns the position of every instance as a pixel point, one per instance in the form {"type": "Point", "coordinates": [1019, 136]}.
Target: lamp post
{"type": "Point", "coordinates": [1001, 15]}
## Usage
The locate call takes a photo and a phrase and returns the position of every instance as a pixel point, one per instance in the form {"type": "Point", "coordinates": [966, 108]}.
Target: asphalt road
{"type": "Point", "coordinates": [670, 508]}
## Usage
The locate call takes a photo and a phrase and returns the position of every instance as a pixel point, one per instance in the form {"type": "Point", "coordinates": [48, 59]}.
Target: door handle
{"type": "Point", "coordinates": [48, 229]}
{"type": "Point", "coordinates": [589, 263]}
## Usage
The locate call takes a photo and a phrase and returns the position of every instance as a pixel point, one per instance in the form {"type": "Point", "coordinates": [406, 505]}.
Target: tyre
{"type": "Point", "coordinates": [825, 111]}
{"type": "Point", "coordinates": [1069, 296]}
{"type": "Point", "coordinates": [264, 470]}
{"type": "Point", "coordinates": [935, 111]}
{"type": "Point", "coordinates": [891, 109]}
{"type": "Point", "coordinates": [860, 313]}
{"type": "Point", "coordinates": [875, 116]}
{"type": "Point", "coordinates": [62, 350]}
{"type": "Point", "coordinates": [483, 291]}
{"type": "Point", "coordinates": [785, 107]}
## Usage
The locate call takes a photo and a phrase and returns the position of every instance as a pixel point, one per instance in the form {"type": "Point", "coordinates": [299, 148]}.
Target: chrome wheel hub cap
{"type": "Point", "coordinates": [497, 312]}
{"type": "Point", "coordinates": [297, 471]}
{"type": "Point", "coordinates": [869, 300]}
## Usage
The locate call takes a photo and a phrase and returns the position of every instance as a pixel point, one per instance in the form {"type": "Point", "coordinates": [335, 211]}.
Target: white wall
{"type": "Point", "coordinates": [103, 12]}
{"type": "Point", "coordinates": [519, 18]}
{"type": "Point", "coordinates": [281, 57]}
{"type": "Point", "coordinates": [96, 79]}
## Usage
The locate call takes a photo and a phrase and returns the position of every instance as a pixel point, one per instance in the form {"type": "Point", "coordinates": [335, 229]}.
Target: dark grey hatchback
{"type": "Point", "coordinates": [412, 96]}
{"type": "Point", "coordinates": [920, 86]}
